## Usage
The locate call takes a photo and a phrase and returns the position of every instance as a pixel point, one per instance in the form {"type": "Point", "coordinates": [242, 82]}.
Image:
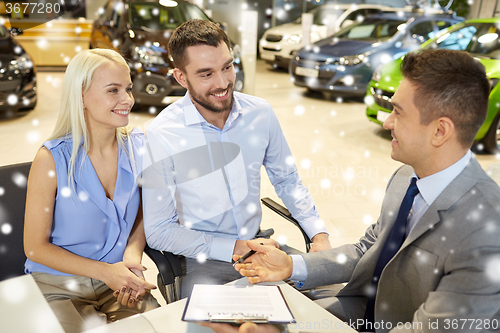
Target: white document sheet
{"type": "Point", "coordinates": [237, 304]}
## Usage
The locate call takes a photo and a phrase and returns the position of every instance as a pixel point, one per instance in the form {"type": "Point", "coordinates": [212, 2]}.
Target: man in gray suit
{"type": "Point", "coordinates": [442, 275]}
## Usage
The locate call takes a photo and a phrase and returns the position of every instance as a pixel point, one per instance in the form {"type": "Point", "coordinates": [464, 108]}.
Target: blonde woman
{"type": "Point", "coordinates": [83, 232]}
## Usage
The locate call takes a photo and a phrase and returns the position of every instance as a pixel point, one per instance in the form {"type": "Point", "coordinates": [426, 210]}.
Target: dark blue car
{"type": "Point", "coordinates": [343, 63]}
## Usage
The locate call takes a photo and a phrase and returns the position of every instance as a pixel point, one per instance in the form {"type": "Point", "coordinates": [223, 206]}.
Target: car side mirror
{"type": "Point", "coordinates": [16, 31]}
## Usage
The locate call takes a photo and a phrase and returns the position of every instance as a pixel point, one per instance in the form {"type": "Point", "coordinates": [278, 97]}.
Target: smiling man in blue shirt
{"type": "Point", "coordinates": [202, 164]}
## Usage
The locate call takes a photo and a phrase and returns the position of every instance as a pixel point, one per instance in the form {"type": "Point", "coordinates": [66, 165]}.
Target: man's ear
{"type": "Point", "coordinates": [444, 129]}
{"type": "Point", "coordinates": [180, 77]}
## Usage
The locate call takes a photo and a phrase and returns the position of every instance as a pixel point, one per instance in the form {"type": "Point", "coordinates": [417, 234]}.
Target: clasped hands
{"type": "Point", "coordinates": [127, 281]}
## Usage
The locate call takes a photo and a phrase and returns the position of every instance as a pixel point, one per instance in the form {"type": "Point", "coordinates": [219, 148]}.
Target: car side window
{"type": "Point", "coordinates": [422, 31]}
{"type": "Point", "coordinates": [441, 26]}
{"type": "Point", "coordinates": [371, 11]}
{"type": "Point", "coordinates": [357, 15]}
{"type": "Point", "coordinates": [457, 40]}
{"type": "Point", "coordinates": [193, 12]}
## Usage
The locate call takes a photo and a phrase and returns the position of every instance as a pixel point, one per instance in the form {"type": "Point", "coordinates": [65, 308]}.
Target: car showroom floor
{"type": "Point", "coordinates": [343, 158]}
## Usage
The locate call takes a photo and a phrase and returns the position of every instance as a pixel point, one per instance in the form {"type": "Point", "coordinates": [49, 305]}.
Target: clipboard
{"type": "Point", "coordinates": [237, 304]}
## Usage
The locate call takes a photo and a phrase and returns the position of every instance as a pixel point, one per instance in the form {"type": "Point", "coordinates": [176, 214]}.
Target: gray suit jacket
{"type": "Point", "coordinates": [447, 272]}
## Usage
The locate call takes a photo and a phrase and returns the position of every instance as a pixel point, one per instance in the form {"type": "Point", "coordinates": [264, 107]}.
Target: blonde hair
{"type": "Point", "coordinates": [71, 120]}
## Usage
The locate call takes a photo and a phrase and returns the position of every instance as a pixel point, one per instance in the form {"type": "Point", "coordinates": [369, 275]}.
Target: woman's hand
{"type": "Point", "coordinates": [127, 280]}
{"type": "Point", "coordinates": [130, 297]}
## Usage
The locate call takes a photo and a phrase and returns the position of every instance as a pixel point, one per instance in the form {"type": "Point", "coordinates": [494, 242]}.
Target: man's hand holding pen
{"type": "Point", "coordinates": [267, 264]}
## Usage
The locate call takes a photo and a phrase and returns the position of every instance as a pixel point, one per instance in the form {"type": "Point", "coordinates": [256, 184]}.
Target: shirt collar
{"type": "Point", "coordinates": [193, 116]}
{"type": "Point", "coordinates": [430, 187]}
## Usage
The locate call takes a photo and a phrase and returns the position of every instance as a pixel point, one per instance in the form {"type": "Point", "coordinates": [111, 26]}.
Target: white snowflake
{"type": "Point", "coordinates": [319, 223]}
{"type": "Point", "coordinates": [66, 192]}
{"type": "Point", "coordinates": [369, 100]}
{"type": "Point", "coordinates": [341, 258]}
{"type": "Point", "coordinates": [299, 110]}
{"type": "Point", "coordinates": [325, 183]}
{"type": "Point", "coordinates": [83, 196]}
{"type": "Point", "coordinates": [33, 136]}
{"type": "Point", "coordinates": [348, 80]}
{"type": "Point", "coordinates": [290, 160]}
{"type": "Point", "coordinates": [6, 228]}
{"type": "Point", "coordinates": [72, 285]}
{"type": "Point", "coordinates": [367, 219]}
{"type": "Point", "coordinates": [12, 99]}
{"type": "Point", "coordinates": [251, 208]}
{"type": "Point", "coordinates": [19, 179]}
{"type": "Point", "coordinates": [282, 240]}
{"type": "Point", "coordinates": [305, 163]}
{"type": "Point", "coordinates": [493, 269]}
{"type": "Point", "coordinates": [201, 258]}
{"type": "Point", "coordinates": [243, 231]}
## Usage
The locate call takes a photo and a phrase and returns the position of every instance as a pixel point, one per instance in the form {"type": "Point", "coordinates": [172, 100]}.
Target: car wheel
{"type": "Point", "coordinates": [492, 139]}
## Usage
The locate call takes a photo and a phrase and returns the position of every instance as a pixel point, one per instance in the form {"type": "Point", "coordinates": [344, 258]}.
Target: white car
{"type": "Point", "coordinates": [278, 43]}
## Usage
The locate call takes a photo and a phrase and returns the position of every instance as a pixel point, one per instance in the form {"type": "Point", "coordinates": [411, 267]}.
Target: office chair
{"type": "Point", "coordinates": [13, 181]}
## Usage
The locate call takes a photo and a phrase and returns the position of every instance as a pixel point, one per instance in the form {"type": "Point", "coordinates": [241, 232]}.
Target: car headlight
{"type": "Point", "coordinates": [21, 64]}
{"type": "Point", "coordinates": [149, 55]}
{"type": "Point", "coordinates": [294, 39]}
{"type": "Point", "coordinates": [352, 60]}
{"type": "Point", "coordinates": [377, 73]}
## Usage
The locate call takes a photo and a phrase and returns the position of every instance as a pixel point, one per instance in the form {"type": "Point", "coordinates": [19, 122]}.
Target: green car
{"type": "Point", "coordinates": [479, 37]}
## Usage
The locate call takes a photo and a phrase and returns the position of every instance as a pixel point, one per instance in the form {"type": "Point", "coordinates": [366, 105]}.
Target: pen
{"type": "Point", "coordinates": [246, 255]}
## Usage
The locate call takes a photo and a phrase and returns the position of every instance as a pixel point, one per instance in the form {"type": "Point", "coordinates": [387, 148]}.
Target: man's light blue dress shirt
{"type": "Point", "coordinates": [429, 187]}
{"type": "Point", "coordinates": [201, 184]}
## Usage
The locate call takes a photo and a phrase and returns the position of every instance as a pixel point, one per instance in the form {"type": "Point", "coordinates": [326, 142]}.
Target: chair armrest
{"type": "Point", "coordinates": [283, 212]}
{"type": "Point", "coordinates": [169, 273]}
{"type": "Point", "coordinates": [165, 270]}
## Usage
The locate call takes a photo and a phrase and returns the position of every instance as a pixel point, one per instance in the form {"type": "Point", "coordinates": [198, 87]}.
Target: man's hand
{"type": "Point", "coordinates": [240, 248]}
{"type": "Point", "coordinates": [268, 264]}
{"type": "Point", "coordinates": [320, 243]}
{"type": "Point", "coordinates": [244, 328]}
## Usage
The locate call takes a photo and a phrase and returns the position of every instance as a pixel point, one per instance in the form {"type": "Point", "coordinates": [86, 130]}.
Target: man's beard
{"type": "Point", "coordinates": [205, 102]}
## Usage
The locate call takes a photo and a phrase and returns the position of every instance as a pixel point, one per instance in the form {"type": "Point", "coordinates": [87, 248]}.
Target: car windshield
{"type": "Point", "coordinates": [372, 29]}
{"type": "Point", "coordinates": [475, 38]}
{"type": "Point", "coordinates": [320, 15]}
{"type": "Point", "coordinates": [163, 15]}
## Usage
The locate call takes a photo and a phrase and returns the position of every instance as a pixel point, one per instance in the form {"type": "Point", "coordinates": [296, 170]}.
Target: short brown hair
{"type": "Point", "coordinates": [449, 84]}
{"type": "Point", "coordinates": [191, 33]}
